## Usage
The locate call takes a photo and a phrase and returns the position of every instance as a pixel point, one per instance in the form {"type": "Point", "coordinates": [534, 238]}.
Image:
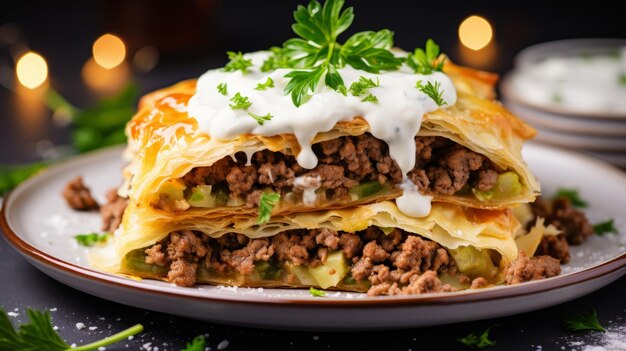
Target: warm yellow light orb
{"type": "Point", "coordinates": [31, 70]}
{"type": "Point", "coordinates": [475, 32]}
{"type": "Point", "coordinates": [109, 51]}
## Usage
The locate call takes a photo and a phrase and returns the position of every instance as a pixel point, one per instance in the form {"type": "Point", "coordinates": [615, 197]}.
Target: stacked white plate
{"type": "Point", "coordinates": [569, 103]}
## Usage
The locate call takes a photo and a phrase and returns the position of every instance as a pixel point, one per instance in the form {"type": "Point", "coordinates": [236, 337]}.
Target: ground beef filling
{"type": "Point", "coordinates": [78, 196]}
{"type": "Point", "coordinates": [442, 167]}
{"type": "Point", "coordinates": [393, 264]}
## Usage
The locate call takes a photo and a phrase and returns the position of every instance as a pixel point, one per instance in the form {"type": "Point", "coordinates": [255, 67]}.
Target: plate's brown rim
{"type": "Point", "coordinates": [449, 298]}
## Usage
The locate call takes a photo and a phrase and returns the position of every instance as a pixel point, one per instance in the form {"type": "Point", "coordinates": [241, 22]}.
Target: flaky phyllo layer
{"type": "Point", "coordinates": [166, 151]}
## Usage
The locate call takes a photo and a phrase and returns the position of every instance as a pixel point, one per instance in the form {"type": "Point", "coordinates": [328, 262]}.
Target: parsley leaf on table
{"type": "Point", "coordinates": [480, 342]}
{"type": "Point", "coordinates": [40, 335]}
{"type": "Point", "coordinates": [197, 344]}
{"type": "Point", "coordinates": [580, 322]}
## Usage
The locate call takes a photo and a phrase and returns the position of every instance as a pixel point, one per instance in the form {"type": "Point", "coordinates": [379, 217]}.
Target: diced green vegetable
{"type": "Point", "coordinates": [367, 189]}
{"type": "Point", "coordinates": [332, 271]}
{"type": "Point", "coordinates": [316, 293]}
{"type": "Point", "coordinates": [173, 190]}
{"type": "Point", "coordinates": [201, 196]}
{"type": "Point", "coordinates": [268, 270]}
{"type": "Point", "coordinates": [135, 261]}
{"type": "Point", "coordinates": [386, 230]}
{"type": "Point", "coordinates": [302, 273]}
{"type": "Point", "coordinates": [507, 186]}
{"type": "Point", "coordinates": [473, 262]}
{"type": "Point", "coordinates": [453, 281]}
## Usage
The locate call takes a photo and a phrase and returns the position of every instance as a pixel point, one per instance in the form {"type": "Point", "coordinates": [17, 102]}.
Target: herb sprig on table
{"type": "Point", "coordinates": [482, 341]}
{"type": "Point", "coordinates": [584, 322]}
{"type": "Point", "coordinates": [39, 334]}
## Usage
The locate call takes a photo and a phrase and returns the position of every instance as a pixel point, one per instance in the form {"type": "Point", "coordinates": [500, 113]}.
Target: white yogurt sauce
{"type": "Point", "coordinates": [395, 118]}
{"type": "Point", "coordinates": [591, 84]}
{"type": "Point", "coordinates": [309, 185]}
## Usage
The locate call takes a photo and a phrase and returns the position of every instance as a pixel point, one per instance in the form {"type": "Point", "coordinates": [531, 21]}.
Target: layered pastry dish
{"type": "Point", "coordinates": [349, 165]}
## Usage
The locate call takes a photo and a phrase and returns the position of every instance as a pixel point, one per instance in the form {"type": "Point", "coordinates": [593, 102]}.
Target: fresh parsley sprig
{"type": "Point", "coordinates": [237, 62]}
{"type": "Point", "coordinates": [580, 322]}
{"type": "Point", "coordinates": [480, 342]}
{"type": "Point", "coordinates": [426, 61]}
{"type": "Point", "coordinates": [240, 102]}
{"type": "Point", "coordinates": [91, 239]}
{"type": "Point", "coordinates": [12, 175]}
{"type": "Point", "coordinates": [260, 119]}
{"type": "Point", "coordinates": [269, 83]}
{"type": "Point", "coordinates": [433, 91]}
{"type": "Point", "coordinates": [607, 226]}
{"type": "Point", "coordinates": [317, 54]}
{"type": "Point", "coordinates": [222, 88]}
{"type": "Point", "coordinates": [40, 335]}
{"type": "Point", "coordinates": [363, 85]}
{"type": "Point", "coordinates": [197, 344]}
{"type": "Point", "coordinates": [266, 205]}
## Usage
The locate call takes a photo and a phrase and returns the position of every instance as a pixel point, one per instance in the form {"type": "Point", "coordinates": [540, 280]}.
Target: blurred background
{"type": "Point", "coordinates": [60, 59]}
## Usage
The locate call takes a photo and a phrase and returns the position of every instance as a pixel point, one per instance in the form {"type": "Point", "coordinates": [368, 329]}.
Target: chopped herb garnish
{"type": "Point", "coordinates": [91, 239]}
{"type": "Point", "coordinates": [222, 89]}
{"type": "Point", "coordinates": [39, 334]}
{"type": "Point", "coordinates": [434, 91]}
{"type": "Point", "coordinates": [237, 62]}
{"type": "Point", "coordinates": [572, 195]}
{"type": "Point", "coordinates": [622, 79]}
{"type": "Point", "coordinates": [480, 342]}
{"type": "Point", "coordinates": [240, 102]}
{"type": "Point", "coordinates": [580, 322]}
{"type": "Point", "coordinates": [317, 293]}
{"type": "Point", "coordinates": [607, 226]}
{"type": "Point", "coordinates": [197, 344]}
{"type": "Point", "coordinates": [370, 98]}
{"type": "Point", "coordinates": [361, 87]}
{"type": "Point", "coordinates": [260, 119]}
{"type": "Point", "coordinates": [269, 83]}
{"type": "Point", "coordinates": [426, 61]}
{"type": "Point", "coordinates": [316, 54]}
{"type": "Point", "coordinates": [266, 205]}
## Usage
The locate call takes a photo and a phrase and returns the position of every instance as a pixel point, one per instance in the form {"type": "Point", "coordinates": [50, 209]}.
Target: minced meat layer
{"type": "Point", "coordinates": [397, 263]}
{"type": "Point", "coordinates": [441, 167]}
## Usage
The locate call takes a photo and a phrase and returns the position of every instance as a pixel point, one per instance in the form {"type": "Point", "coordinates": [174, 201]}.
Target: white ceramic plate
{"type": "Point", "coordinates": [39, 225]}
{"type": "Point", "coordinates": [581, 142]}
{"type": "Point", "coordinates": [610, 128]}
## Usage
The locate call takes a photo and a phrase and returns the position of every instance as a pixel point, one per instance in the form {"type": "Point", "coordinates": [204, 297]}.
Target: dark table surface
{"type": "Point", "coordinates": [22, 286]}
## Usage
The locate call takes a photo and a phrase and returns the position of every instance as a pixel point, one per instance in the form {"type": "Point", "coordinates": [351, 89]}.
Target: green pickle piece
{"type": "Point", "coordinates": [173, 190]}
{"type": "Point", "coordinates": [507, 186]}
{"type": "Point", "coordinates": [332, 271]}
{"type": "Point", "coordinates": [473, 262]}
{"type": "Point", "coordinates": [368, 189]}
{"type": "Point", "coordinates": [135, 261]}
{"type": "Point", "coordinates": [302, 273]}
{"type": "Point", "coordinates": [268, 270]}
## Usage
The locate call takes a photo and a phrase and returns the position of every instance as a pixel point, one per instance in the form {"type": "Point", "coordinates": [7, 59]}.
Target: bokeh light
{"type": "Point", "coordinates": [475, 32]}
{"type": "Point", "coordinates": [31, 70]}
{"type": "Point", "coordinates": [109, 51]}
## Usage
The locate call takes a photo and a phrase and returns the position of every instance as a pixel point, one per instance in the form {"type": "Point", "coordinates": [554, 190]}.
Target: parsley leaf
{"type": "Point", "coordinates": [370, 98]}
{"type": "Point", "coordinates": [197, 344]}
{"type": "Point", "coordinates": [269, 83]}
{"type": "Point", "coordinates": [222, 89]}
{"type": "Point", "coordinates": [266, 204]}
{"type": "Point", "coordinates": [316, 53]}
{"type": "Point", "coordinates": [480, 342]}
{"type": "Point", "coordinates": [426, 61]}
{"type": "Point", "coordinates": [434, 91]}
{"type": "Point", "coordinates": [359, 88]}
{"type": "Point", "coordinates": [237, 62]}
{"type": "Point", "coordinates": [580, 322]}
{"type": "Point", "coordinates": [240, 102]}
{"type": "Point", "coordinates": [316, 292]}
{"type": "Point", "coordinates": [91, 239]}
{"type": "Point", "coordinates": [572, 195]}
{"type": "Point", "coordinates": [40, 335]}
{"type": "Point", "coordinates": [278, 59]}
{"type": "Point", "coordinates": [259, 118]}
{"type": "Point", "coordinates": [607, 226]}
